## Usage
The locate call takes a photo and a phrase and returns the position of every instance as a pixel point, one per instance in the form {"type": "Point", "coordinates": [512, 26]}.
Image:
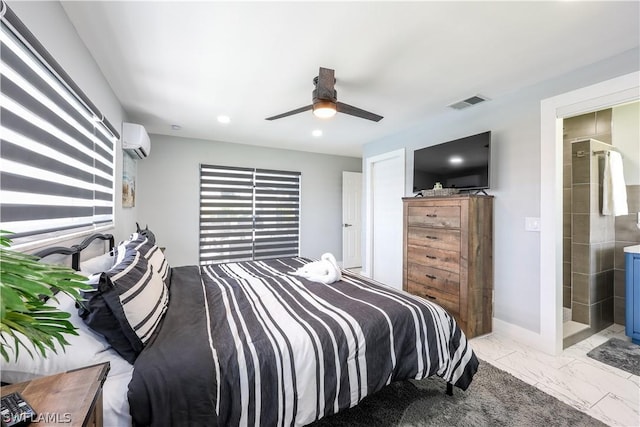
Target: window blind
{"type": "Point", "coordinates": [57, 152]}
{"type": "Point", "coordinates": [248, 214]}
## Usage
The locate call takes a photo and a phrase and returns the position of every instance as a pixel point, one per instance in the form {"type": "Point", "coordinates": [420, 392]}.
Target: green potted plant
{"type": "Point", "coordinates": [25, 283]}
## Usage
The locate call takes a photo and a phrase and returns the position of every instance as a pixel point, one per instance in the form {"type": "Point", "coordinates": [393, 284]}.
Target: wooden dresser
{"type": "Point", "coordinates": [448, 256]}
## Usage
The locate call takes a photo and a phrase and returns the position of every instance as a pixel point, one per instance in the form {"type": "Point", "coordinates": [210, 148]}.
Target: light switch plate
{"type": "Point", "coordinates": [532, 224]}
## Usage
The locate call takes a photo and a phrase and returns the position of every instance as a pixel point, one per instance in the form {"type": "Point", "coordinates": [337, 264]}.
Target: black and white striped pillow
{"type": "Point", "coordinates": [128, 304]}
{"type": "Point", "coordinates": [151, 252]}
{"type": "Point", "coordinates": [141, 292]}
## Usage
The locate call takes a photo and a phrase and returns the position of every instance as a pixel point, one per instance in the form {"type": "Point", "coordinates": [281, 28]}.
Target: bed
{"type": "Point", "coordinates": [248, 343]}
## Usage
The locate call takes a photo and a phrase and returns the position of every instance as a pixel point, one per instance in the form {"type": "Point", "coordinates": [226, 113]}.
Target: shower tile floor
{"type": "Point", "coordinates": [569, 327]}
{"type": "Point", "coordinates": [604, 392]}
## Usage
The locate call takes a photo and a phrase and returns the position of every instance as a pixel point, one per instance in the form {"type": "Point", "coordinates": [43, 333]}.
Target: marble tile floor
{"type": "Point", "coordinates": [606, 393]}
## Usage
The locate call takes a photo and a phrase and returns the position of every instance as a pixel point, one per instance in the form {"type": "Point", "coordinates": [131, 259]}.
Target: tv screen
{"type": "Point", "coordinates": [462, 163]}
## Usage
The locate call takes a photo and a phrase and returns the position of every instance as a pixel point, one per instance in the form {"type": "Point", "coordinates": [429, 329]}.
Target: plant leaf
{"type": "Point", "coordinates": [25, 320]}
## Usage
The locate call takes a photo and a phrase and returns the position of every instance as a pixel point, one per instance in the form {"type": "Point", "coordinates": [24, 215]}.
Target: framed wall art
{"type": "Point", "coordinates": [128, 181]}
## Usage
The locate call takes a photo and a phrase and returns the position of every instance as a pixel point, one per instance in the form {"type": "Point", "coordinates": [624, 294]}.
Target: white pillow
{"type": "Point", "coordinates": [84, 349]}
{"type": "Point", "coordinates": [97, 264]}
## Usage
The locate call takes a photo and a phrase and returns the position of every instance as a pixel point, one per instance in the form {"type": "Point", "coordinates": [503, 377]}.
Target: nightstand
{"type": "Point", "coordinates": [72, 398]}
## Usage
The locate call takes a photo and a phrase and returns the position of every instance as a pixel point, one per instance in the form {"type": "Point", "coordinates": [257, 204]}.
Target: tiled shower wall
{"type": "Point", "coordinates": [592, 239]}
{"type": "Point", "coordinates": [596, 125]}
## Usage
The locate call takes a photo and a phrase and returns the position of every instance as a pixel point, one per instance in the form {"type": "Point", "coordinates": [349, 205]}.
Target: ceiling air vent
{"type": "Point", "coordinates": [476, 99]}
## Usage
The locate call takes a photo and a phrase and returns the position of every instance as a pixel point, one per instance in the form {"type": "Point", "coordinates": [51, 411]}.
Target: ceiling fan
{"type": "Point", "coordinates": [325, 103]}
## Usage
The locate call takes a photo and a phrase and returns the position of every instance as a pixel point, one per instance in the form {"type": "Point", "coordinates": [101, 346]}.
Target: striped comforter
{"type": "Point", "coordinates": [249, 344]}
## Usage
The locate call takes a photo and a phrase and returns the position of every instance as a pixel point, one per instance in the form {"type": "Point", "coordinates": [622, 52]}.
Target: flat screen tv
{"type": "Point", "coordinates": [462, 164]}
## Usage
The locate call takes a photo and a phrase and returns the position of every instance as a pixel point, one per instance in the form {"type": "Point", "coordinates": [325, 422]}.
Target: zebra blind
{"type": "Point", "coordinates": [57, 163]}
{"type": "Point", "coordinates": [248, 214]}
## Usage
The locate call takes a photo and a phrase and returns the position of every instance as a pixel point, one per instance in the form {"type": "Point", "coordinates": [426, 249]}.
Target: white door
{"type": "Point", "coordinates": [351, 219]}
{"type": "Point", "coordinates": [385, 193]}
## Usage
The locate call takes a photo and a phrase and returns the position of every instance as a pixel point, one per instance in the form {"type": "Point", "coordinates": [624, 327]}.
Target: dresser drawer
{"type": "Point", "coordinates": [445, 281]}
{"type": "Point", "coordinates": [447, 301]}
{"type": "Point", "coordinates": [434, 216]}
{"type": "Point", "coordinates": [433, 257]}
{"type": "Point", "coordinates": [434, 237]}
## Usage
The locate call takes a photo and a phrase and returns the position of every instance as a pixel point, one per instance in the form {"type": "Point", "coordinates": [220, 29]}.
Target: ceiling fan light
{"type": "Point", "coordinates": [324, 109]}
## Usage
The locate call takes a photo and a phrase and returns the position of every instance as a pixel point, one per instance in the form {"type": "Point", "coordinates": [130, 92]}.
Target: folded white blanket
{"type": "Point", "coordinates": [325, 270]}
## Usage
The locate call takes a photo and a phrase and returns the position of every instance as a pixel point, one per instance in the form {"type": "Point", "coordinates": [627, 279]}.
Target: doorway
{"type": "Point", "coordinates": [351, 220]}
{"type": "Point", "coordinates": [593, 288]}
{"type": "Point", "coordinates": [612, 92]}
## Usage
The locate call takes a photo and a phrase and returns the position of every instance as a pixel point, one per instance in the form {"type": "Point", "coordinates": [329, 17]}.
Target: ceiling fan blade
{"type": "Point", "coordinates": [326, 84]}
{"type": "Point", "coordinates": [291, 113]}
{"type": "Point", "coordinates": [341, 107]}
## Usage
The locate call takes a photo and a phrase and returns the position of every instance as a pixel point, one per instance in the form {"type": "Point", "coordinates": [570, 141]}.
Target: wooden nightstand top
{"type": "Point", "coordinates": [65, 399]}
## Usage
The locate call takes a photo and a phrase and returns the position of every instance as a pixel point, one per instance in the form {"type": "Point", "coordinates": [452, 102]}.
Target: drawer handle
{"type": "Point", "coordinates": [432, 215]}
{"type": "Point", "coordinates": [429, 296]}
{"type": "Point", "coordinates": [432, 237]}
{"type": "Point", "coordinates": [431, 257]}
{"type": "Point", "coordinates": [431, 276]}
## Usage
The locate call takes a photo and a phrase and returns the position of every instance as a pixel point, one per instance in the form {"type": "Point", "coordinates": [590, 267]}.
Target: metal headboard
{"type": "Point", "coordinates": [75, 250]}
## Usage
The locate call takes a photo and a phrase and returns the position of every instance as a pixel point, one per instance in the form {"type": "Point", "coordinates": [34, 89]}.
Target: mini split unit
{"type": "Point", "coordinates": [135, 140]}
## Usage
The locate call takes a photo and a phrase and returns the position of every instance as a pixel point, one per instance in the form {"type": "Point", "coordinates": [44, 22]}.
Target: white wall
{"type": "Point", "coordinates": [514, 120]}
{"type": "Point", "coordinates": [625, 136]}
{"type": "Point", "coordinates": [167, 191]}
{"type": "Point", "coordinates": [49, 23]}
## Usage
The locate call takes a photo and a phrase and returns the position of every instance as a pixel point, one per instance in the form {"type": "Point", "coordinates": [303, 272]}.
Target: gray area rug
{"type": "Point", "coordinates": [618, 353]}
{"type": "Point", "coordinates": [495, 398]}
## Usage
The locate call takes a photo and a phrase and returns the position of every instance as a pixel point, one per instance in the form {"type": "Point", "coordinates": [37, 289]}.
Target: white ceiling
{"type": "Point", "coordinates": [185, 63]}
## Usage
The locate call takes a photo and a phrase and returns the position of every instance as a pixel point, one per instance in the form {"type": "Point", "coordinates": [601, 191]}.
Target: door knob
{"type": "Point", "coordinates": [347, 225]}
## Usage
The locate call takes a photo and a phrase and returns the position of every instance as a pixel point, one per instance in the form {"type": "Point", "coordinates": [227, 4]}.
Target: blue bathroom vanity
{"type": "Point", "coordinates": [632, 260]}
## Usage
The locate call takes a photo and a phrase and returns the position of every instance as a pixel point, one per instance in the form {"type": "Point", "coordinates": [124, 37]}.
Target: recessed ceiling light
{"type": "Point", "coordinates": [176, 127]}
{"type": "Point", "coordinates": [224, 119]}
{"type": "Point", "coordinates": [455, 160]}
{"type": "Point", "coordinates": [317, 133]}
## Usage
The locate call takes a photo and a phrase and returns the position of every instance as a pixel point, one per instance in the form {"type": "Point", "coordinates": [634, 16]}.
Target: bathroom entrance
{"type": "Point", "coordinates": [593, 281]}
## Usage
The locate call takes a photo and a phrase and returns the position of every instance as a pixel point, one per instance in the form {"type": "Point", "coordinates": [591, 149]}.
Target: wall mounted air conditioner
{"type": "Point", "coordinates": [135, 140]}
